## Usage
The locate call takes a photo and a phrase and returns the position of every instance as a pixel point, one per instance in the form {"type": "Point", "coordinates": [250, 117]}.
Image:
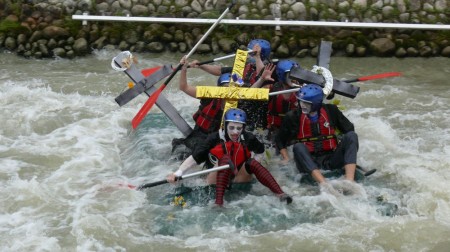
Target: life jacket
{"type": "Point", "coordinates": [278, 107]}
{"type": "Point", "coordinates": [318, 137]}
{"type": "Point", "coordinates": [250, 74]}
{"type": "Point", "coordinates": [238, 152]}
{"type": "Point", "coordinates": [208, 116]}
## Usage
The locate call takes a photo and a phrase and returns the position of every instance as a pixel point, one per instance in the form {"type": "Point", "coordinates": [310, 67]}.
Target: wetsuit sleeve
{"type": "Point", "coordinates": [340, 121]}
{"type": "Point", "coordinates": [200, 153]}
{"type": "Point", "coordinates": [226, 70]}
{"type": "Point", "coordinates": [288, 129]}
{"type": "Point", "coordinates": [253, 143]}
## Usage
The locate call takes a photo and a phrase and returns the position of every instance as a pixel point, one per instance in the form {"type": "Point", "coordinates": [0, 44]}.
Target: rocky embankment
{"type": "Point", "coordinates": [44, 28]}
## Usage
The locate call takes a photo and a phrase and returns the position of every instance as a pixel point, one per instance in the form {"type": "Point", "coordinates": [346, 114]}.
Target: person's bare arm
{"type": "Point", "coordinates": [184, 86]}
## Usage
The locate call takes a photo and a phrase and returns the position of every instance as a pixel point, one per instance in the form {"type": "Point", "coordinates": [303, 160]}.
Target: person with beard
{"type": "Point", "coordinates": [231, 145]}
{"type": "Point", "coordinates": [323, 137]}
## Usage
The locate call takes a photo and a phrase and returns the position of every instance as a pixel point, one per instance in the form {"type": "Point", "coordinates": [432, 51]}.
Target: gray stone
{"type": "Point", "coordinates": [243, 9]}
{"type": "Point", "coordinates": [401, 6]}
{"type": "Point", "coordinates": [350, 49]}
{"type": "Point", "coordinates": [203, 49]}
{"type": "Point", "coordinates": [173, 46]}
{"type": "Point", "coordinates": [343, 6]}
{"type": "Point", "coordinates": [37, 55]}
{"type": "Point", "coordinates": [123, 46]}
{"type": "Point", "coordinates": [441, 5]}
{"type": "Point", "coordinates": [360, 4]}
{"type": "Point", "coordinates": [400, 53]}
{"type": "Point", "coordinates": [302, 53]}
{"type": "Point", "coordinates": [10, 43]}
{"type": "Point", "coordinates": [20, 50]}
{"type": "Point", "coordinates": [156, 47]}
{"type": "Point", "coordinates": [382, 46]}
{"type": "Point", "coordinates": [215, 47]}
{"type": "Point", "coordinates": [428, 7]}
{"type": "Point", "coordinates": [195, 5]}
{"type": "Point", "coordinates": [44, 50]}
{"type": "Point", "coordinates": [226, 44]}
{"type": "Point", "coordinates": [100, 42]}
{"type": "Point", "coordinates": [182, 47]}
{"type": "Point", "coordinates": [387, 11]}
{"type": "Point", "coordinates": [52, 44]}
{"type": "Point", "coordinates": [80, 46]}
{"type": "Point", "coordinates": [414, 5]}
{"type": "Point", "coordinates": [126, 4]}
{"type": "Point", "coordinates": [131, 36]}
{"type": "Point", "coordinates": [139, 10]}
{"type": "Point", "coordinates": [361, 51]}
{"type": "Point", "coordinates": [167, 37]}
{"type": "Point", "coordinates": [140, 46]}
{"type": "Point", "coordinates": [209, 5]}
{"type": "Point", "coordinates": [102, 7]}
{"type": "Point", "coordinates": [59, 52]}
{"type": "Point", "coordinates": [404, 17]}
{"type": "Point", "coordinates": [21, 39]}
{"type": "Point", "coordinates": [446, 51]}
{"type": "Point", "coordinates": [55, 32]}
{"type": "Point", "coordinates": [412, 52]}
{"type": "Point", "coordinates": [181, 3]}
{"type": "Point", "coordinates": [425, 51]}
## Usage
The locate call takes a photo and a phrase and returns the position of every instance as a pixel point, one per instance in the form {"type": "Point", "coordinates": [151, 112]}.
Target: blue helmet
{"type": "Point", "coordinates": [311, 93]}
{"type": "Point", "coordinates": [235, 115]}
{"type": "Point", "coordinates": [284, 66]}
{"type": "Point", "coordinates": [265, 47]}
{"type": "Point", "coordinates": [224, 79]}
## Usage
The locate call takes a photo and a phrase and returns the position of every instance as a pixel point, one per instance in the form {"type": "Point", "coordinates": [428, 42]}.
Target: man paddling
{"type": "Point", "coordinates": [231, 145]}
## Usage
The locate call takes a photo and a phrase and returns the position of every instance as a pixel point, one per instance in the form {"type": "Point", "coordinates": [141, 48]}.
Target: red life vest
{"type": "Point", "coordinates": [278, 107]}
{"type": "Point", "coordinates": [249, 75]}
{"type": "Point", "coordinates": [239, 153]}
{"type": "Point", "coordinates": [208, 117]}
{"type": "Point", "coordinates": [324, 138]}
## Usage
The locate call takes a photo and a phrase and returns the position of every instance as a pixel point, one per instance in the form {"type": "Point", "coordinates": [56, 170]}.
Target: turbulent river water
{"type": "Point", "coordinates": [67, 152]}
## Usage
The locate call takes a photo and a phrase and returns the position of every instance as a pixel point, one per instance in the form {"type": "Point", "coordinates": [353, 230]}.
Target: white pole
{"type": "Point", "coordinates": [264, 22]}
{"type": "Point", "coordinates": [284, 91]}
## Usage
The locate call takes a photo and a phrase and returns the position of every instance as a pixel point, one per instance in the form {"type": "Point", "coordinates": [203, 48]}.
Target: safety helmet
{"type": "Point", "coordinates": [311, 93]}
{"type": "Point", "coordinates": [284, 66]}
{"type": "Point", "coordinates": [265, 47]}
{"type": "Point", "coordinates": [224, 79]}
{"type": "Point", "coordinates": [235, 115]}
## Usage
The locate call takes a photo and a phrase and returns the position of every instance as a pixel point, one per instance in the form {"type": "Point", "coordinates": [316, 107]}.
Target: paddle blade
{"type": "Point", "coordinates": [147, 106]}
{"type": "Point", "coordinates": [147, 72]}
{"type": "Point", "coordinates": [379, 76]}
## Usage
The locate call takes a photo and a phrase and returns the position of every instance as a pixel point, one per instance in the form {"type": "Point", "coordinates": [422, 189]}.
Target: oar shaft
{"type": "Point", "coordinates": [219, 58]}
{"type": "Point", "coordinates": [218, 168]}
{"type": "Point", "coordinates": [284, 91]}
{"type": "Point", "coordinates": [210, 30]}
{"type": "Point", "coordinates": [194, 174]}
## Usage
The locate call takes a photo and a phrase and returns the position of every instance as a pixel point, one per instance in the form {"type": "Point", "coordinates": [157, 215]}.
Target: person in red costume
{"type": "Point", "coordinates": [232, 145]}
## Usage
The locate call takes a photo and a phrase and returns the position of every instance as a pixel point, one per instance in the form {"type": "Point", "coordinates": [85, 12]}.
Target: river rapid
{"type": "Point", "coordinates": [68, 152]}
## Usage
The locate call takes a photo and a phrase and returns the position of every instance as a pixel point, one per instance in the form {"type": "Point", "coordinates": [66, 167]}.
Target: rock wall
{"type": "Point", "coordinates": [44, 28]}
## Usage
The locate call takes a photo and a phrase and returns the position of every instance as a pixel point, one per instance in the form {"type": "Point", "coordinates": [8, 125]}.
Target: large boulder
{"type": "Point", "coordinates": [382, 47]}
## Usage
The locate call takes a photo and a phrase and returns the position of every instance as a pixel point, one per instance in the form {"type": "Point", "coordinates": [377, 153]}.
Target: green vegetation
{"type": "Point", "coordinates": [73, 26]}
{"type": "Point", "coordinates": [11, 28]}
